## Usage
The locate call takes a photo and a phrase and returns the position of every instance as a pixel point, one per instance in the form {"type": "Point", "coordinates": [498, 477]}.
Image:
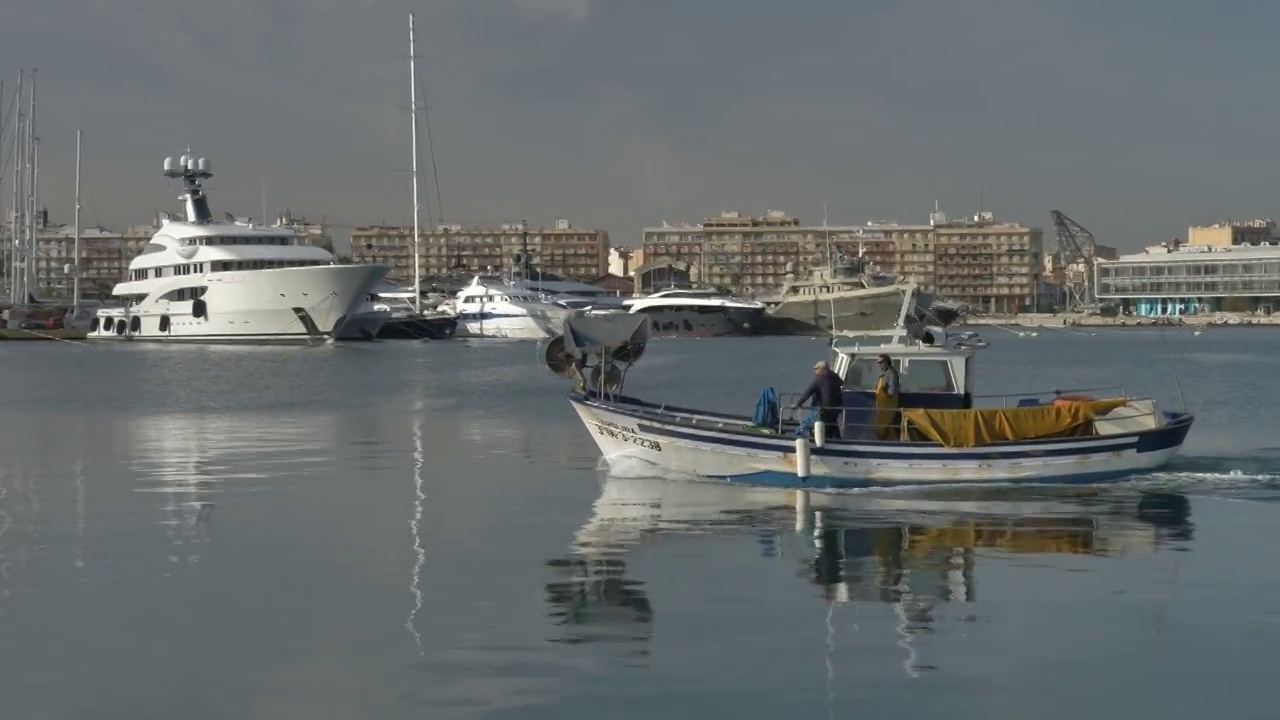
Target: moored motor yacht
{"type": "Point", "coordinates": [491, 307]}
{"type": "Point", "coordinates": [697, 312]}
{"type": "Point", "coordinates": [203, 281]}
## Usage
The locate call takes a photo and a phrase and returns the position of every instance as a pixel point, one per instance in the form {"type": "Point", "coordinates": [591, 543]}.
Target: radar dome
{"type": "Point", "coordinates": [170, 165]}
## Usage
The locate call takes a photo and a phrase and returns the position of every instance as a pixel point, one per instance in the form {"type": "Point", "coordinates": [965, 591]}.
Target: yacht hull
{"type": "Point", "coordinates": [297, 304]}
{"type": "Point", "coordinates": [362, 326]}
{"type": "Point", "coordinates": [418, 327]}
{"type": "Point", "coordinates": [710, 322]}
{"type": "Point", "coordinates": [535, 326]}
{"type": "Point", "coordinates": [861, 310]}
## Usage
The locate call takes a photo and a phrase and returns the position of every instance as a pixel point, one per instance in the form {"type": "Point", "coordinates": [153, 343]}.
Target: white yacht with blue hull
{"type": "Point", "coordinates": [940, 434]}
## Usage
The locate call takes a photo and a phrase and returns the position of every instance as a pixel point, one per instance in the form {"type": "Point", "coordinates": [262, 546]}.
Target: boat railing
{"type": "Point", "coordinates": [1010, 399]}
{"type": "Point", "coordinates": [791, 417]}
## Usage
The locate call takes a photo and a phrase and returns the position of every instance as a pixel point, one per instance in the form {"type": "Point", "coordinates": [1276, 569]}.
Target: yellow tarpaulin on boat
{"type": "Point", "coordinates": [974, 428]}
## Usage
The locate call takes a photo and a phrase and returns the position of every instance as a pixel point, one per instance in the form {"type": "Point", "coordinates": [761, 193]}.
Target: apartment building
{"type": "Point", "coordinates": [751, 253]}
{"type": "Point", "coordinates": [986, 263]}
{"type": "Point", "coordinates": [562, 249]}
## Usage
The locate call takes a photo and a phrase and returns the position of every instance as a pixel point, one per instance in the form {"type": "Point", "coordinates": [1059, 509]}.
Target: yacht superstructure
{"type": "Point", "coordinates": [233, 281]}
{"type": "Point", "coordinates": [845, 297]}
{"type": "Point", "coordinates": [492, 308]}
{"type": "Point", "coordinates": [698, 313]}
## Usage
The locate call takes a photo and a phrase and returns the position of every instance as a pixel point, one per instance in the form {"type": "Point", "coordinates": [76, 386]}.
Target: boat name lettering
{"type": "Point", "coordinates": [626, 434]}
{"type": "Point", "coordinates": [619, 428]}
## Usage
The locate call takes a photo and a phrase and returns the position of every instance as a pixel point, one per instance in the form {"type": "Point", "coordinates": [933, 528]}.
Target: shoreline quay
{"type": "Point", "coordinates": [1075, 320]}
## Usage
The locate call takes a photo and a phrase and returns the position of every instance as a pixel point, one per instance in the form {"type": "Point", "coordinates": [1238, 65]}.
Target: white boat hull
{"type": "Point", "coordinates": [512, 327]}
{"type": "Point", "coordinates": [718, 447]}
{"type": "Point", "coordinates": [298, 304]}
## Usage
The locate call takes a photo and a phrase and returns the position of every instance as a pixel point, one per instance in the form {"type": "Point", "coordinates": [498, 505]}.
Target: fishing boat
{"type": "Point", "coordinates": [941, 432]}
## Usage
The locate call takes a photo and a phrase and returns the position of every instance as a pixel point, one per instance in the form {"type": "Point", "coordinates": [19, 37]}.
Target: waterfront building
{"type": "Point", "coordinates": [1174, 279]}
{"type": "Point", "coordinates": [1223, 267]}
{"type": "Point", "coordinates": [986, 263]}
{"type": "Point", "coordinates": [1230, 234]}
{"type": "Point", "coordinates": [623, 261]}
{"type": "Point", "coordinates": [562, 249]}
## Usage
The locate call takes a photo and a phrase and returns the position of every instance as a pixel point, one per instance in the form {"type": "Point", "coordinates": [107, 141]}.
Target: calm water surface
{"type": "Point", "coordinates": [425, 530]}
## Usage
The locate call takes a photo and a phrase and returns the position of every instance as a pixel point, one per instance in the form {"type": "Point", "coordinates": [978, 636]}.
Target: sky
{"type": "Point", "coordinates": [1135, 118]}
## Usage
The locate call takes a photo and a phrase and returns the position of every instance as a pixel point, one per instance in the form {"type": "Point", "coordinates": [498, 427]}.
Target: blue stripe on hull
{"type": "Point", "coordinates": [896, 451]}
{"type": "Point", "coordinates": [788, 481]}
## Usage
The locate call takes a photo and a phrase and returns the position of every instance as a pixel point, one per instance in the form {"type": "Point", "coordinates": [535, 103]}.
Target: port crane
{"type": "Point", "coordinates": [1077, 251]}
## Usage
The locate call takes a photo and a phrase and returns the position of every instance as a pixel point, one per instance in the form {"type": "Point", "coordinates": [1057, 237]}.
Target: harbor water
{"type": "Point", "coordinates": [406, 529]}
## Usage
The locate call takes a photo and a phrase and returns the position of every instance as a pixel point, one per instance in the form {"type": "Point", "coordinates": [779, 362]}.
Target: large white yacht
{"type": "Point", "coordinates": [232, 281]}
{"type": "Point", "coordinates": [491, 307]}
{"type": "Point", "coordinates": [690, 312]}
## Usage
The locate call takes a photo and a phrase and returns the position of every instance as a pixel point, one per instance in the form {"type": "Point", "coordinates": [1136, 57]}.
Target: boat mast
{"type": "Point", "coordinates": [827, 232]}
{"type": "Point", "coordinates": [75, 278]}
{"type": "Point", "coordinates": [33, 191]}
{"type": "Point", "coordinates": [15, 221]}
{"type": "Point", "coordinates": [417, 206]}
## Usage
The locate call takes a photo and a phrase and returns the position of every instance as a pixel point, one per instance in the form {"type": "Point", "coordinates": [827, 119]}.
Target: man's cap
{"type": "Point", "coordinates": [820, 364]}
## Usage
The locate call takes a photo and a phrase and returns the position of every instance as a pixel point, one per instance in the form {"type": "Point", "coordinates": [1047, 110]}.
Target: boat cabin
{"type": "Point", "coordinates": [934, 372]}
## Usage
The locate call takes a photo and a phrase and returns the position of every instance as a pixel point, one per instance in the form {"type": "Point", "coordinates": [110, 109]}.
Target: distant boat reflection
{"type": "Point", "coordinates": [908, 549]}
{"type": "Point", "coordinates": [190, 458]}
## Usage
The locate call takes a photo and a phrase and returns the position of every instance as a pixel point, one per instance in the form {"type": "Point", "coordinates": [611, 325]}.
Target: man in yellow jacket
{"type": "Point", "coordinates": [887, 388]}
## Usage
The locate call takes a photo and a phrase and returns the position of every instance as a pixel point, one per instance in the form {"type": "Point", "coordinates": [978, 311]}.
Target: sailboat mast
{"type": "Point", "coordinates": [417, 206]}
{"type": "Point", "coordinates": [15, 221]}
{"type": "Point", "coordinates": [33, 164]}
{"type": "Point", "coordinates": [827, 232]}
{"type": "Point", "coordinates": [75, 278]}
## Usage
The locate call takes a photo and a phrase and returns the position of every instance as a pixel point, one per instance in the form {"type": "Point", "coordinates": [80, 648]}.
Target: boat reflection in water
{"type": "Point", "coordinates": [911, 550]}
{"type": "Point", "coordinates": [190, 459]}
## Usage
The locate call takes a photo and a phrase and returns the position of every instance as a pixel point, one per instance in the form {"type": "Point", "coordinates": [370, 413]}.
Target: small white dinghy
{"type": "Point", "coordinates": [941, 433]}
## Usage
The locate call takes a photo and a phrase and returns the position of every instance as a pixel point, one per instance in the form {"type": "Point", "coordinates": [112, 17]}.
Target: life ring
{"type": "Point", "coordinates": [1073, 399]}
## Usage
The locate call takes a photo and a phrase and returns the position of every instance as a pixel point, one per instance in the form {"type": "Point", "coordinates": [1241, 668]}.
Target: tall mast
{"type": "Point", "coordinates": [36, 219]}
{"type": "Point", "coordinates": [15, 221]}
{"type": "Point", "coordinates": [827, 232]}
{"type": "Point", "coordinates": [75, 278]}
{"type": "Point", "coordinates": [29, 251]}
{"type": "Point", "coordinates": [417, 207]}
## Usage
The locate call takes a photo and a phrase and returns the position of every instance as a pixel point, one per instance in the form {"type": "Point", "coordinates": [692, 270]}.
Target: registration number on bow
{"type": "Point", "coordinates": [626, 434]}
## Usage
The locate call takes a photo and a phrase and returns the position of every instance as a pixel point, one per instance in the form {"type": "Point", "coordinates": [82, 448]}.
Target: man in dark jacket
{"type": "Point", "coordinates": [827, 392]}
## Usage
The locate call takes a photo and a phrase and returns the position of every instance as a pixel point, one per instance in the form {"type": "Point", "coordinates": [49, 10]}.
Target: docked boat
{"type": "Point", "coordinates": [941, 432]}
{"type": "Point", "coordinates": [389, 314]}
{"type": "Point", "coordinates": [697, 312]}
{"type": "Point", "coordinates": [492, 308]}
{"type": "Point", "coordinates": [846, 297]}
{"type": "Point", "coordinates": [203, 281]}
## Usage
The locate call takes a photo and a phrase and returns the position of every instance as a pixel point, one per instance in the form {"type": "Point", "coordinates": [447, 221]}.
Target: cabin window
{"type": "Point", "coordinates": [927, 375]}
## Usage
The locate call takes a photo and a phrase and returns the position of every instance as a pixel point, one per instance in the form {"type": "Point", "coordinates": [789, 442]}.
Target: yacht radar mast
{"type": "Point", "coordinates": [192, 170]}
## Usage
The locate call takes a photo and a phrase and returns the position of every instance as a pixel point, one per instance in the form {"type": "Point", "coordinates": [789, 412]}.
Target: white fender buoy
{"type": "Point", "coordinates": [802, 458]}
{"type": "Point", "coordinates": [819, 434]}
